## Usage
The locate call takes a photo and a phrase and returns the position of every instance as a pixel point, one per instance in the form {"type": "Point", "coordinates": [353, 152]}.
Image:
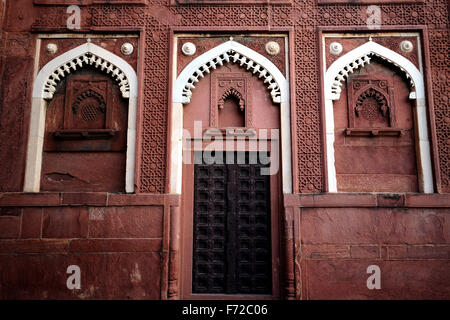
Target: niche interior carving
{"type": "Point", "coordinates": [371, 107]}
{"type": "Point", "coordinates": [88, 110]}
{"type": "Point", "coordinates": [230, 86]}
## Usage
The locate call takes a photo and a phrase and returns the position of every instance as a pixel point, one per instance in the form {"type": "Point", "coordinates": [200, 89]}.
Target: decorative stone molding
{"type": "Point", "coordinates": [406, 46]}
{"type": "Point", "coordinates": [52, 48]}
{"type": "Point", "coordinates": [224, 85]}
{"type": "Point", "coordinates": [188, 49]}
{"type": "Point", "coordinates": [87, 58]}
{"type": "Point", "coordinates": [231, 51]}
{"type": "Point", "coordinates": [367, 50]}
{"type": "Point", "coordinates": [272, 48]}
{"type": "Point", "coordinates": [127, 49]}
{"type": "Point", "coordinates": [371, 111]}
{"type": "Point", "coordinates": [232, 92]}
{"type": "Point", "coordinates": [336, 48]}
{"type": "Point", "coordinates": [253, 61]}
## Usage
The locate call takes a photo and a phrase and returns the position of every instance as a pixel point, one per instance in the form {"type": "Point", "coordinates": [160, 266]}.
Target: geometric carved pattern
{"type": "Point", "coordinates": [88, 103]}
{"type": "Point", "coordinates": [304, 16]}
{"type": "Point", "coordinates": [371, 105]}
{"type": "Point", "coordinates": [370, 102]}
{"type": "Point", "coordinates": [440, 62]}
{"type": "Point", "coordinates": [90, 111]}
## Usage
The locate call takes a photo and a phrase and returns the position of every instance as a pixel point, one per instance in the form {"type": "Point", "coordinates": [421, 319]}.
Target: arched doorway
{"type": "Point", "coordinates": [232, 178]}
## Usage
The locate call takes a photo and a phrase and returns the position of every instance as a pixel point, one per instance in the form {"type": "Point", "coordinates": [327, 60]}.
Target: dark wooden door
{"type": "Point", "coordinates": [231, 253]}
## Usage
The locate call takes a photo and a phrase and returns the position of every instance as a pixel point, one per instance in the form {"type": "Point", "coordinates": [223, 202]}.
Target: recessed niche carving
{"type": "Point", "coordinates": [87, 111]}
{"type": "Point", "coordinates": [371, 109]}
{"type": "Point", "coordinates": [230, 91]}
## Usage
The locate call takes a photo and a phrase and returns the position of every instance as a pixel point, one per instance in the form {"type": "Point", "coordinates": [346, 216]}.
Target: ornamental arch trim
{"type": "Point", "coordinates": [252, 61]}
{"type": "Point", "coordinates": [338, 72]}
{"type": "Point", "coordinates": [45, 86]}
{"type": "Point", "coordinates": [231, 51]}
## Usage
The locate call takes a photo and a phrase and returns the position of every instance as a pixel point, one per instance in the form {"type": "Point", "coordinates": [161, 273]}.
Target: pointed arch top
{"type": "Point", "coordinates": [360, 56]}
{"type": "Point", "coordinates": [231, 51]}
{"type": "Point", "coordinates": [85, 54]}
{"type": "Point", "coordinates": [45, 86]}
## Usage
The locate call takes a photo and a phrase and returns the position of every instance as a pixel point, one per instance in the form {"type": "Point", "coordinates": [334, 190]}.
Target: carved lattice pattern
{"type": "Point", "coordinates": [304, 16]}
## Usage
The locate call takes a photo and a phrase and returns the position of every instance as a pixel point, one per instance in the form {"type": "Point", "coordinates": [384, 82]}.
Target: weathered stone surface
{"type": "Point", "coordinates": [391, 200]}
{"type": "Point", "coordinates": [325, 251]}
{"type": "Point", "coordinates": [67, 171]}
{"type": "Point", "coordinates": [10, 211]}
{"type": "Point", "coordinates": [138, 199]}
{"type": "Point", "coordinates": [374, 226]}
{"type": "Point", "coordinates": [31, 223]}
{"type": "Point", "coordinates": [340, 279]}
{"type": "Point", "coordinates": [65, 222]}
{"type": "Point", "coordinates": [377, 183]}
{"type": "Point", "coordinates": [115, 245]}
{"type": "Point", "coordinates": [85, 198]}
{"type": "Point", "coordinates": [338, 200]}
{"type": "Point", "coordinates": [33, 246]}
{"type": "Point", "coordinates": [103, 276]}
{"type": "Point", "coordinates": [419, 252]}
{"type": "Point", "coordinates": [365, 252]}
{"type": "Point", "coordinates": [29, 199]}
{"type": "Point", "coordinates": [125, 222]}
{"type": "Point", "coordinates": [428, 200]}
{"type": "Point", "coordinates": [9, 227]}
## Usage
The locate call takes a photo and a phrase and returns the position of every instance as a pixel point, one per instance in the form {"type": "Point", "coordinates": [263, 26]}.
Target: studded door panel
{"type": "Point", "coordinates": [231, 229]}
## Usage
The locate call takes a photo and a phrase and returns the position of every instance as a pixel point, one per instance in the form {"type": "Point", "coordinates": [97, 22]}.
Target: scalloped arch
{"type": "Point", "coordinates": [338, 72]}
{"type": "Point", "coordinates": [85, 54]}
{"type": "Point", "coordinates": [231, 51]}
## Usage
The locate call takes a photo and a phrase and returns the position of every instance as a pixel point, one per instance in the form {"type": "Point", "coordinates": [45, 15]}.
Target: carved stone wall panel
{"type": "Point", "coordinates": [86, 122]}
{"type": "Point", "coordinates": [109, 43]}
{"type": "Point", "coordinates": [305, 16]}
{"type": "Point", "coordinates": [220, 15]}
{"type": "Point", "coordinates": [440, 57]}
{"type": "Point", "coordinates": [391, 42]}
{"type": "Point", "coordinates": [14, 109]}
{"type": "Point", "coordinates": [88, 2]}
{"type": "Point", "coordinates": [154, 130]}
{"type": "Point", "coordinates": [310, 158]}
{"type": "Point", "coordinates": [370, 102]}
{"type": "Point", "coordinates": [236, 84]}
{"type": "Point", "coordinates": [256, 43]}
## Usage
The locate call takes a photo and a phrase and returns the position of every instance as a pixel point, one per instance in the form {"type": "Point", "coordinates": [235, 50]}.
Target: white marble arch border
{"type": "Point", "coordinates": [39, 106]}
{"type": "Point", "coordinates": [178, 101]}
{"type": "Point", "coordinates": [417, 94]}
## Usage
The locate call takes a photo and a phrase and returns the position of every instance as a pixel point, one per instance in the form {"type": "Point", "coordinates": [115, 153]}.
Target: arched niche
{"type": "Point", "coordinates": [338, 72]}
{"type": "Point", "coordinates": [44, 87]}
{"type": "Point", "coordinates": [255, 63]}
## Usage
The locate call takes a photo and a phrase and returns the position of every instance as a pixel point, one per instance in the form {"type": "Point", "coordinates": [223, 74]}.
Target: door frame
{"type": "Point", "coordinates": [187, 236]}
{"type": "Point", "coordinates": [175, 168]}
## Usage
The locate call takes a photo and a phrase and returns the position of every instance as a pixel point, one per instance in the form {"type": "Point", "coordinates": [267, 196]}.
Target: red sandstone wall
{"type": "Point", "coordinates": [121, 243]}
{"type": "Point", "coordinates": [116, 240]}
{"type": "Point", "coordinates": [407, 236]}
